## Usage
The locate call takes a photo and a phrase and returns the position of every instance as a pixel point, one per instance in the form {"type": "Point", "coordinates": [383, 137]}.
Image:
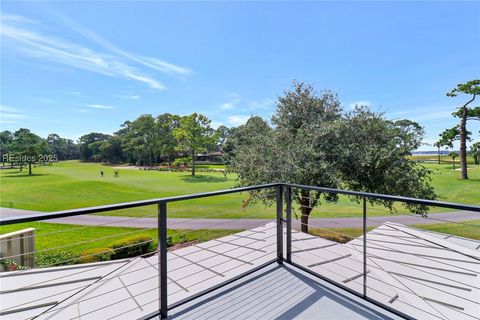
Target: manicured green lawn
{"type": "Point", "coordinates": [450, 187]}
{"type": "Point", "coordinates": [466, 229]}
{"type": "Point", "coordinates": [71, 184]}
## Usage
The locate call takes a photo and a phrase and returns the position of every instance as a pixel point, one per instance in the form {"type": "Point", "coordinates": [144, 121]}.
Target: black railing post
{"type": "Point", "coordinates": [365, 246]}
{"type": "Point", "coordinates": [162, 259]}
{"type": "Point", "coordinates": [279, 224]}
{"type": "Point", "coordinates": [288, 198]}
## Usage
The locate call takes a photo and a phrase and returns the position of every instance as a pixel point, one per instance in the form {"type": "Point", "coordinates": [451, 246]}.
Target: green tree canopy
{"type": "Point", "coordinates": [89, 149]}
{"type": "Point", "coordinates": [28, 147]}
{"type": "Point", "coordinates": [243, 135]}
{"type": "Point", "coordinates": [465, 113]}
{"type": "Point", "coordinates": [475, 152]}
{"type": "Point", "coordinates": [6, 138]}
{"type": "Point", "coordinates": [194, 135]}
{"type": "Point", "coordinates": [313, 143]}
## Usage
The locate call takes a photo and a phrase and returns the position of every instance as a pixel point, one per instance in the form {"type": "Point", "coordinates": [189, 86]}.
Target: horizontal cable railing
{"type": "Point", "coordinates": [350, 258]}
{"type": "Point", "coordinates": [364, 238]}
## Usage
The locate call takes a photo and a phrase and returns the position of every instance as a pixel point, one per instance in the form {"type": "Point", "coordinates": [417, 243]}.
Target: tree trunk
{"type": "Point", "coordinates": [304, 221]}
{"type": "Point", "coordinates": [30, 168]}
{"type": "Point", "coordinates": [463, 144]}
{"type": "Point", "coordinates": [438, 154]}
{"type": "Point", "coordinates": [305, 209]}
{"type": "Point", "coordinates": [193, 162]}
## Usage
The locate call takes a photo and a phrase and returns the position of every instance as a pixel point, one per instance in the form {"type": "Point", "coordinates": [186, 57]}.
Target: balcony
{"type": "Point", "coordinates": [268, 269]}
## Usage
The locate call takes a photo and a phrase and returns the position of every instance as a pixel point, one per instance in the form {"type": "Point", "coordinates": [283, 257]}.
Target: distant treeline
{"type": "Point", "coordinates": [432, 152]}
{"type": "Point", "coordinates": [147, 140]}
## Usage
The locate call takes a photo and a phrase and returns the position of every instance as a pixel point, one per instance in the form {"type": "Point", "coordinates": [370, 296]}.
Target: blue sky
{"type": "Point", "coordinates": [76, 67]}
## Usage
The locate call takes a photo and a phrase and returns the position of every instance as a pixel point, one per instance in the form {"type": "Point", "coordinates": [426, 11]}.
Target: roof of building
{"type": "Point", "coordinates": [424, 274]}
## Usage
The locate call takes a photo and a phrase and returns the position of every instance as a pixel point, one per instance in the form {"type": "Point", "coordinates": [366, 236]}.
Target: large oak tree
{"type": "Point", "coordinates": [312, 142]}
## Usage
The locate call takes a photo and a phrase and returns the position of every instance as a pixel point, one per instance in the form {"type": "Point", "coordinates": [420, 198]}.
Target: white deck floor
{"type": "Point", "coordinates": [279, 292]}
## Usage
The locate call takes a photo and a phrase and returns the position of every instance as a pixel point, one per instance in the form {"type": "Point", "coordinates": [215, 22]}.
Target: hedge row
{"type": "Point", "coordinates": [124, 248]}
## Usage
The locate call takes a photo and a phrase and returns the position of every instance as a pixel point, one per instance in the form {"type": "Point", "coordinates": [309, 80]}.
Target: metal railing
{"type": "Point", "coordinates": [283, 200]}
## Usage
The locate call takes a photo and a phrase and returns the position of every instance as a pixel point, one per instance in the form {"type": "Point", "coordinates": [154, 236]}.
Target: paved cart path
{"type": "Point", "coordinates": [193, 223]}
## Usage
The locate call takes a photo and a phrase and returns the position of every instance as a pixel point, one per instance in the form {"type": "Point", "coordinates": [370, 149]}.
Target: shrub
{"type": "Point", "coordinates": [182, 161]}
{"type": "Point", "coordinates": [10, 265]}
{"type": "Point", "coordinates": [131, 246]}
{"type": "Point", "coordinates": [56, 258]}
{"type": "Point", "coordinates": [95, 255]}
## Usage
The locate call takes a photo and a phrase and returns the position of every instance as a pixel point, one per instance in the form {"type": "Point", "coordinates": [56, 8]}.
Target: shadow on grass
{"type": "Point", "coordinates": [205, 179]}
{"type": "Point", "coordinates": [11, 175]}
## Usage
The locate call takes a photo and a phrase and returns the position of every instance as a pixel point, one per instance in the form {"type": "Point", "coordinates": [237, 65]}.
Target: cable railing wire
{"type": "Point", "coordinates": [136, 270]}
{"type": "Point", "coordinates": [359, 282]}
{"type": "Point", "coordinates": [376, 266]}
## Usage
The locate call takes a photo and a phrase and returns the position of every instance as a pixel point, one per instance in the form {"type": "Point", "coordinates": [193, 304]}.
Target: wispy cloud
{"type": "Point", "coordinates": [265, 104]}
{"type": "Point", "coordinates": [367, 103]}
{"type": "Point", "coordinates": [44, 100]}
{"type": "Point", "coordinates": [14, 18]}
{"type": "Point", "coordinates": [76, 93]}
{"type": "Point", "coordinates": [83, 110]}
{"type": "Point", "coordinates": [114, 63]}
{"type": "Point", "coordinates": [237, 120]}
{"type": "Point", "coordinates": [426, 114]}
{"type": "Point", "coordinates": [154, 63]}
{"type": "Point", "coordinates": [99, 106]}
{"type": "Point", "coordinates": [132, 97]}
{"type": "Point", "coordinates": [216, 124]}
{"type": "Point", "coordinates": [243, 105]}
{"type": "Point", "coordinates": [10, 114]}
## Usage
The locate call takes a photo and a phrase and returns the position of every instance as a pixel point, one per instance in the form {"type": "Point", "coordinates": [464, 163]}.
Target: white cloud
{"type": "Point", "coordinates": [237, 120]}
{"type": "Point", "coordinates": [367, 103]}
{"type": "Point", "coordinates": [75, 93]}
{"type": "Point", "coordinates": [160, 65]}
{"type": "Point", "coordinates": [227, 106]}
{"type": "Point", "coordinates": [57, 50]}
{"type": "Point", "coordinates": [99, 106]}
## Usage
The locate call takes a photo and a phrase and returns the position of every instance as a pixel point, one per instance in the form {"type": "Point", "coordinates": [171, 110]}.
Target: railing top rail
{"type": "Point", "coordinates": [133, 204]}
{"type": "Point", "coordinates": [432, 203]}
{"type": "Point", "coordinates": [125, 205]}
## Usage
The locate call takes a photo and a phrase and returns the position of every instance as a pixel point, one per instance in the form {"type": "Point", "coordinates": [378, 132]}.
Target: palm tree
{"type": "Point", "coordinates": [454, 155]}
